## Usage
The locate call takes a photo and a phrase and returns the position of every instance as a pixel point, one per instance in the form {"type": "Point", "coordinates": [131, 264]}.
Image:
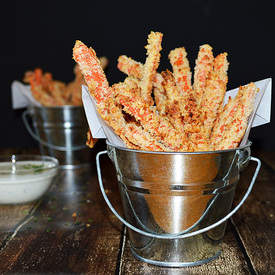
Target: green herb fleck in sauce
{"type": "Point", "coordinates": [37, 168]}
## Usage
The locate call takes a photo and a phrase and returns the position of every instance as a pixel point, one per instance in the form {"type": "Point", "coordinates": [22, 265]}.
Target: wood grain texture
{"type": "Point", "coordinates": [267, 156]}
{"type": "Point", "coordinates": [71, 231]}
{"type": "Point", "coordinates": [255, 221]}
{"type": "Point", "coordinates": [230, 262]}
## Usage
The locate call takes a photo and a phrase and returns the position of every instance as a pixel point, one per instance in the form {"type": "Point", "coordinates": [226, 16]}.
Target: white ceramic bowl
{"type": "Point", "coordinates": [25, 178]}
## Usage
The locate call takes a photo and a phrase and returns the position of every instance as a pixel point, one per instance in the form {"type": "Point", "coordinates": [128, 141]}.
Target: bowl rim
{"type": "Point", "coordinates": [28, 157]}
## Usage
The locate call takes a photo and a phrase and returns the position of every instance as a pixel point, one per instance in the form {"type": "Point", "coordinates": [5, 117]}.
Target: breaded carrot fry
{"type": "Point", "coordinates": [112, 113]}
{"type": "Point", "coordinates": [130, 67]}
{"type": "Point", "coordinates": [103, 62]}
{"type": "Point", "coordinates": [133, 68]}
{"type": "Point", "coordinates": [151, 121]}
{"type": "Point", "coordinates": [72, 93]}
{"type": "Point", "coordinates": [211, 103]}
{"type": "Point", "coordinates": [169, 83]}
{"type": "Point", "coordinates": [56, 90]}
{"type": "Point", "coordinates": [143, 139]}
{"type": "Point", "coordinates": [39, 94]}
{"type": "Point", "coordinates": [151, 64]}
{"type": "Point", "coordinates": [198, 142]}
{"type": "Point", "coordinates": [181, 108]}
{"type": "Point", "coordinates": [225, 119]}
{"type": "Point", "coordinates": [92, 71]}
{"type": "Point", "coordinates": [174, 100]}
{"type": "Point", "coordinates": [181, 69]}
{"type": "Point", "coordinates": [133, 135]}
{"type": "Point", "coordinates": [204, 65]}
{"type": "Point", "coordinates": [184, 118]}
{"type": "Point", "coordinates": [40, 85]}
{"type": "Point", "coordinates": [160, 95]}
{"type": "Point", "coordinates": [235, 126]}
{"type": "Point", "coordinates": [99, 88]}
{"type": "Point", "coordinates": [90, 140]}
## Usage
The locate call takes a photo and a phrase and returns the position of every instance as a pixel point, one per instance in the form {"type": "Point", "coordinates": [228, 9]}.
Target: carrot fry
{"type": "Point", "coordinates": [151, 64]}
{"type": "Point", "coordinates": [225, 119]}
{"type": "Point", "coordinates": [181, 69]}
{"type": "Point", "coordinates": [111, 112]}
{"type": "Point", "coordinates": [204, 65]}
{"type": "Point", "coordinates": [143, 139]}
{"type": "Point", "coordinates": [151, 121]}
{"type": "Point", "coordinates": [211, 103]}
{"type": "Point", "coordinates": [174, 100]}
{"type": "Point", "coordinates": [185, 117]}
{"type": "Point", "coordinates": [93, 73]}
{"type": "Point", "coordinates": [136, 69]}
{"type": "Point", "coordinates": [90, 140]}
{"type": "Point", "coordinates": [160, 95]}
{"type": "Point", "coordinates": [44, 89]}
{"type": "Point", "coordinates": [229, 134]}
{"type": "Point", "coordinates": [130, 67]}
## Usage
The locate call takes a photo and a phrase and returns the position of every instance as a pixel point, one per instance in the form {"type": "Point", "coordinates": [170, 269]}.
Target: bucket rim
{"type": "Point", "coordinates": [248, 144]}
{"type": "Point", "coordinates": [57, 107]}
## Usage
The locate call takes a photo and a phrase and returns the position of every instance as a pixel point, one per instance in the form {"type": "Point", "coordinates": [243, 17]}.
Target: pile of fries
{"type": "Point", "coordinates": [50, 92]}
{"type": "Point", "coordinates": [164, 111]}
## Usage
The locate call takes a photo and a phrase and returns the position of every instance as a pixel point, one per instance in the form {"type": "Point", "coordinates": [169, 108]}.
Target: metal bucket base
{"type": "Point", "coordinates": [176, 264]}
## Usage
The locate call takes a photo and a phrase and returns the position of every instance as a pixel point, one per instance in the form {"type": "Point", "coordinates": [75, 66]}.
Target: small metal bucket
{"type": "Point", "coordinates": [61, 133]}
{"type": "Point", "coordinates": [176, 204]}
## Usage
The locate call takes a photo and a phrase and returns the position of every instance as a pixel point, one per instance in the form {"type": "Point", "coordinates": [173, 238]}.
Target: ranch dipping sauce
{"type": "Point", "coordinates": [24, 180]}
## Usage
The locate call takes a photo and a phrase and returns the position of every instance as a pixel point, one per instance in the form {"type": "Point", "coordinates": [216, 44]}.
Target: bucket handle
{"type": "Point", "coordinates": [37, 138]}
{"type": "Point", "coordinates": [174, 236]}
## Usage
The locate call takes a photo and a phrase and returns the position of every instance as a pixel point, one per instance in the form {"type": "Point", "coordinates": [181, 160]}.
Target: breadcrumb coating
{"type": "Point", "coordinates": [160, 95]}
{"type": "Point", "coordinates": [214, 91]}
{"type": "Point", "coordinates": [44, 89]}
{"type": "Point", "coordinates": [174, 100]}
{"type": "Point", "coordinates": [185, 117]}
{"type": "Point", "coordinates": [90, 142]}
{"type": "Point", "coordinates": [136, 69]}
{"type": "Point", "coordinates": [224, 119]}
{"type": "Point", "coordinates": [93, 73]}
{"type": "Point", "coordinates": [151, 64]}
{"type": "Point", "coordinates": [181, 69]}
{"type": "Point", "coordinates": [144, 140]}
{"type": "Point", "coordinates": [234, 128]}
{"type": "Point", "coordinates": [151, 121]}
{"type": "Point", "coordinates": [134, 136]}
{"type": "Point", "coordinates": [130, 67]}
{"type": "Point", "coordinates": [204, 65]}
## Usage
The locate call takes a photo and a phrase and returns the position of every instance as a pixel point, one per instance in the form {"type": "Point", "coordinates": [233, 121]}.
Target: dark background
{"type": "Point", "coordinates": [42, 34]}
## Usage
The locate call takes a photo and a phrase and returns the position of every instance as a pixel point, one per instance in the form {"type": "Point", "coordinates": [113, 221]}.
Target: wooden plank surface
{"type": "Point", "coordinates": [255, 221]}
{"type": "Point", "coordinates": [70, 231]}
{"type": "Point", "coordinates": [231, 261]}
{"type": "Point", "coordinates": [267, 156]}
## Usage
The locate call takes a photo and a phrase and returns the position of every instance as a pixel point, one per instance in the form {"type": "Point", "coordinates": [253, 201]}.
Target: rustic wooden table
{"type": "Point", "coordinates": [71, 230]}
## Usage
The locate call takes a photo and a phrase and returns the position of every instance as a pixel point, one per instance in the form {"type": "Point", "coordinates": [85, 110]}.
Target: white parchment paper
{"type": "Point", "coordinates": [21, 96]}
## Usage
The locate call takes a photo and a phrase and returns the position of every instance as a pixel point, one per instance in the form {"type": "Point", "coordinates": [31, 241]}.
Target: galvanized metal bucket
{"type": "Point", "coordinates": [176, 204]}
{"type": "Point", "coordinates": [61, 133]}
